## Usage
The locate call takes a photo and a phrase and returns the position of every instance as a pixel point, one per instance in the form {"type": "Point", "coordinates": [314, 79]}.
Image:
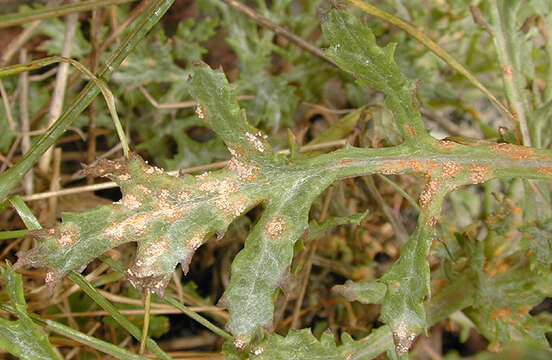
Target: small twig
{"type": "Point", "coordinates": [54, 186]}
{"type": "Point", "coordinates": [43, 76]}
{"type": "Point", "coordinates": [178, 285]}
{"type": "Point", "coordinates": [328, 110]}
{"type": "Point", "coordinates": [33, 15]}
{"type": "Point", "coordinates": [7, 160]}
{"type": "Point", "coordinates": [308, 263]}
{"type": "Point", "coordinates": [18, 42]}
{"type": "Point", "coordinates": [24, 117]}
{"type": "Point", "coordinates": [58, 95]}
{"type": "Point", "coordinates": [179, 105]}
{"type": "Point", "coordinates": [94, 37]}
{"type": "Point", "coordinates": [119, 29]}
{"type": "Point", "coordinates": [220, 164]}
{"type": "Point", "coordinates": [7, 106]}
{"type": "Point", "coordinates": [145, 327]}
{"type": "Point", "coordinates": [156, 311]}
{"type": "Point", "coordinates": [398, 227]}
{"type": "Point", "coordinates": [253, 15]}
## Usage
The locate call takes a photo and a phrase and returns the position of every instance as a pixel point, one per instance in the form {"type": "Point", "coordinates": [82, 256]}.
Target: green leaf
{"type": "Point", "coordinates": [366, 292]}
{"type": "Point", "coordinates": [21, 338]}
{"type": "Point", "coordinates": [353, 46]}
{"type": "Point", "coordinates": [163, 214]}
{"type": "Point", "coordinates": [55, 29]}
{"type": "Point", "coordinates": [537, 242]}
{"type": "Point", "coordinates": [302, 345]}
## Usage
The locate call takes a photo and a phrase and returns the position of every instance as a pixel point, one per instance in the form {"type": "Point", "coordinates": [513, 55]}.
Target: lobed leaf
{"type": "Point", "coordinates": [21, 338]}
{"type": "Point", "coordinates": [353, 47]}
{"type": "Point", "coordinates": [302, 345]}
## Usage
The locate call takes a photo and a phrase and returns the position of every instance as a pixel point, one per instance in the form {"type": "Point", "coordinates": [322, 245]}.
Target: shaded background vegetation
{"type": "Point", "coordinates": [283, 87]}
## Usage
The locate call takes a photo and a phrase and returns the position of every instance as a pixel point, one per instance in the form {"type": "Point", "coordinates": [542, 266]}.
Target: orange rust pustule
{"type": "Point", "coordinates": [432, 221]}
{"type": "Point", "coordinates": [431, 189]}
{"type": "Point", "coordinates": [275, 227]}
{"type": "Point", "coordinates": [479, 173]}
{"type": "Point", "coordinates": [507, 70]}
{"type": "Point", "coordinates": [445, 145]}
{"type": "Point", "coordinates": [393, 167]}
{"type": "Point", "coordinates": [410, 130]}
{"type": "Point", "coordinates": [451, 169]}
{"type": "Point", "coordinates": [424, 167]}
{"type": "Point", "coordinates": [344, 162]}
{"type": "Point", "coordinates": [438, 285]}
{"type": "Point", "coordinates": [515, 152]}
{"type": "Point", "coordinates": [545, 170]}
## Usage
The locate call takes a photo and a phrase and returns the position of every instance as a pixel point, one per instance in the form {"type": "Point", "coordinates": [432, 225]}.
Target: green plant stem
{"type": "Point", "coordinates": [107, 94]}
{"type": "Point", "coordinates": [503, 36]}
{"type": "Point", "coordinates": [145, 327]}
{"type": "Point", "coordinates": [144, 23]}
{"type": "Point", "coordinates": [117, 316]}
{"type": "Point", "coordinates": [27, 16]}
{"type": "Point", "coordinates": [25, 213]}
{"type": "Point", "coordinates": [200, 319]}
{"type": "Point", "coordinates": [80, 337]}
{"type": "Point", "coordinates": [433, 47]}
{"type": "Point", "coordinates": [12, 234]}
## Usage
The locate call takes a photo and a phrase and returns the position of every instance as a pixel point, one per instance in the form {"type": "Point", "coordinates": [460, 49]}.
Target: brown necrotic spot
{"type": "Point", "coordinates": [275, 227]}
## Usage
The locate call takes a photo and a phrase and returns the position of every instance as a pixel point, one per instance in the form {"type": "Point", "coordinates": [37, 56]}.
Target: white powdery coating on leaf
{"type": "Point", "coordinates": [257, 143]}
